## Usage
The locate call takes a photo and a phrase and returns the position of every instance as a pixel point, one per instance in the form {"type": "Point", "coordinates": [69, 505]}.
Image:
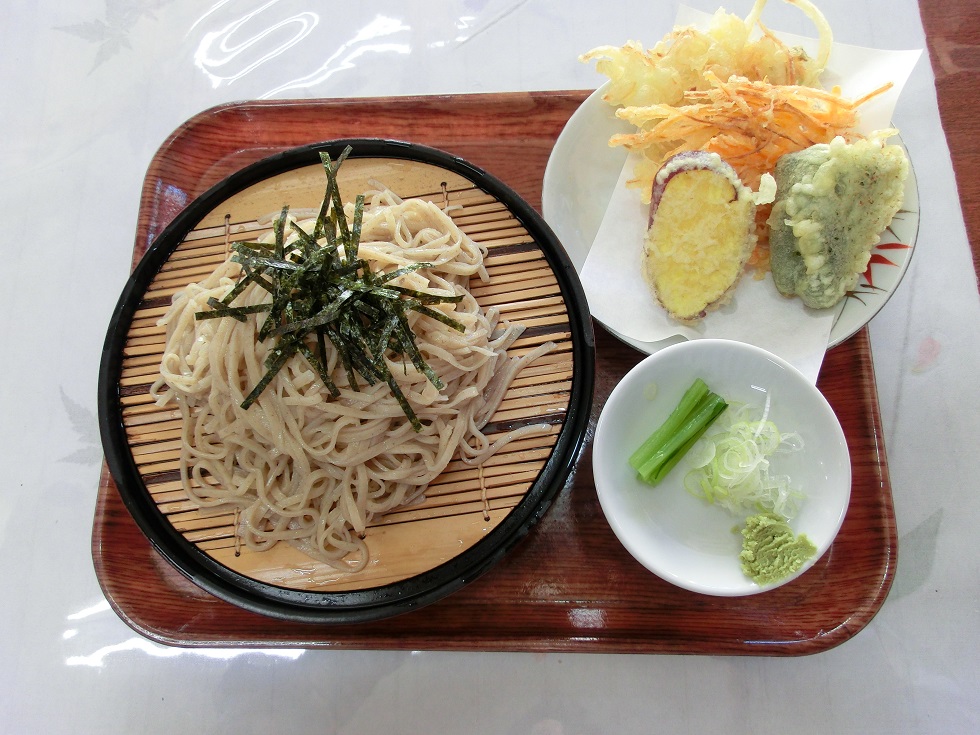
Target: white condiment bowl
{"type": "Point", "coordinates": [679, 537]}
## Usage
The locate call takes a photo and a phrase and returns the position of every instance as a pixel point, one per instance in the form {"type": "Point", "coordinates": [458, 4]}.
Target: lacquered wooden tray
{"type": "Point", "coordinates": [569, 586]}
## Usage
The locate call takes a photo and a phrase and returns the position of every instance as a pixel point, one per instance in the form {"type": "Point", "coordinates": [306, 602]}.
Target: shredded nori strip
{"type": "Point", "coordinates": [235, 312]}
{"type": "Point", "coordinates": [322, 291]}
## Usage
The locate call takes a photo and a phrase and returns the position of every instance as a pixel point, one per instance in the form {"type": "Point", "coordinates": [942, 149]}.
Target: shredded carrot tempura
{"type": "Point", "coordinates": [750, 124]}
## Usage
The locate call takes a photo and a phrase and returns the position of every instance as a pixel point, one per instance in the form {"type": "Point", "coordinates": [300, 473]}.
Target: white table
{"type": "Point", "coordinates": [91, 90]}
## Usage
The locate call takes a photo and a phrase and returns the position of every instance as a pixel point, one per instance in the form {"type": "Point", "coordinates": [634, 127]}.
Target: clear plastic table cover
{"type": "Point", "coordinates": [92, 89]}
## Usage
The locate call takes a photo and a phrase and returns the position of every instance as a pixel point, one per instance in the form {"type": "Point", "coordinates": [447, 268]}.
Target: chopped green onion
{"type": "Point", "coordinates": [732, 467]}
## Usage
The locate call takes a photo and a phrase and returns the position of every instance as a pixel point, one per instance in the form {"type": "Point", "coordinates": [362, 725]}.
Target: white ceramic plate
{"type": "Point", "coordinates": [681, 538]}
{"type": "Point", "coordinates": [583, 171]}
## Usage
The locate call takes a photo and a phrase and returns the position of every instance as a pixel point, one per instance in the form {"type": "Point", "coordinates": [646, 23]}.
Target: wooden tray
{"type": "Point", "coordinates": [569, 586]}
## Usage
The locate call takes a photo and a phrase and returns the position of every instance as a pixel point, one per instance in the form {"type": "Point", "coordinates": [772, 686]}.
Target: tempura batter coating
{"type": "Point", "coordinates": [833, 202]}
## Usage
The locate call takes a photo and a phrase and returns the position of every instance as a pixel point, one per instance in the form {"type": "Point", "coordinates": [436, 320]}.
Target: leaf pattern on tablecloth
{"type": "Point", "coordinates": [86, 425]}
{"type": "Point", "coordinates": [111, 33]}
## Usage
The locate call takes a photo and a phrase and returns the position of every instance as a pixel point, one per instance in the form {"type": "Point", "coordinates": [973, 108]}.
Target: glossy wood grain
{"type": "Point", "coordinates": [570, 585]}
{"type": "Point", "coordinates": [953, 40]}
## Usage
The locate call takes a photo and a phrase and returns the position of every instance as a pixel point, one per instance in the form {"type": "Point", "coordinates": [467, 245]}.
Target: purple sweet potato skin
{"type": "Point", "coordinates": [687, 161]}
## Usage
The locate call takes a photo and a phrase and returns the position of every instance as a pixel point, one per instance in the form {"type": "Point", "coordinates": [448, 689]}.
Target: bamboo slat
{"type": "Point", "coordinates": [465, 502]}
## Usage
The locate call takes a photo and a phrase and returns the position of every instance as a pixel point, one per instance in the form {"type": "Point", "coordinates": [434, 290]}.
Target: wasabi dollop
{"type": "Point", "coordinates": [770, 549]}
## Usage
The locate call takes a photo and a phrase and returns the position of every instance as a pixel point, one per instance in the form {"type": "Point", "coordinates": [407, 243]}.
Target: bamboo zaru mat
{"type": "Point", "coordinates": [461, 506]}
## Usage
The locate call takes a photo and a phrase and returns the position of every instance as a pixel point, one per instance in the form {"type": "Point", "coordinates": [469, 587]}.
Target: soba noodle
{"type": "Point", "coordinates": [302, 466]}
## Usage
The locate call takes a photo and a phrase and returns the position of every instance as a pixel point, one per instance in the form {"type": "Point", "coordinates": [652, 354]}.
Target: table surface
{"type": "Point", "coordinates": [94, 89]}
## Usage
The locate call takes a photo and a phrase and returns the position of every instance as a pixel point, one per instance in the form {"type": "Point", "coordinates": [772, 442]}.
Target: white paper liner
{"type": "Point", "coordinates": [757, 314]}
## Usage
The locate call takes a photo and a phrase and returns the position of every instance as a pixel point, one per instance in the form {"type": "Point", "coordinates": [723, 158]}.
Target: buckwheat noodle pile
{"type": "Point", "coordinates": [311, 469]}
